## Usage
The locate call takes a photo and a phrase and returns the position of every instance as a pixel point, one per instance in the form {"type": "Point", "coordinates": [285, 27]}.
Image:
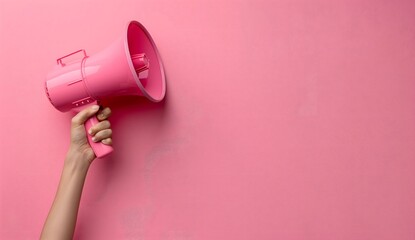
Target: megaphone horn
{"type": "Point", "coordinates": [123, 68]}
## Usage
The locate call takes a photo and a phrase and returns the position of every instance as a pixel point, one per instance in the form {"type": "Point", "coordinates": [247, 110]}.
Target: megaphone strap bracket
{"type": "Point", "coordinates": [59, 60]}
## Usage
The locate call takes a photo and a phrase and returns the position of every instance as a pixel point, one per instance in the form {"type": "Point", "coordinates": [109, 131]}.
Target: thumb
{"type": "Point", "coordinates": [84, 115]}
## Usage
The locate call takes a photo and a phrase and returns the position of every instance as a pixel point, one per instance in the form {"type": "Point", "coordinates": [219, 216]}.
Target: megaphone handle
{"type": "Point", "coordinates": [101, 150]}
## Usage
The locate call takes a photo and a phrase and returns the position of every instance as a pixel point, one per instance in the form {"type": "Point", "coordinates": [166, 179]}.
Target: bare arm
{"type": "Point", "coordinates": [61, 221]}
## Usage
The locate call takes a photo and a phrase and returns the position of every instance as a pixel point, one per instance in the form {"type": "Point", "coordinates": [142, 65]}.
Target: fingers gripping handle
{"type": "Point", "coordinates": [101, 150]}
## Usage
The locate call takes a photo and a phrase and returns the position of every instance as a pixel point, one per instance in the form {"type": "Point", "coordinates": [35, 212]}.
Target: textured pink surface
{"type": "Point", "coordinates": [283, 120]}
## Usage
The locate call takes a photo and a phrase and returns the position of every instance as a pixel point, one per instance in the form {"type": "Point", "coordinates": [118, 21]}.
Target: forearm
{"type": "Point", "coordinates": [61, 221]}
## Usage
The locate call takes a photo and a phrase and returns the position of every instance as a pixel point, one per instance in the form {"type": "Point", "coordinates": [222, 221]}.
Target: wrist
{"type": "Point", "coordinates": [77, 160]}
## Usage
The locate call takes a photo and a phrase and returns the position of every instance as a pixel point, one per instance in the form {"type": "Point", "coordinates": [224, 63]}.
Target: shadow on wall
{"type": "Point", "coordinates": [135, 104]}
{"type": "Point", "coordinates": [126, 111]}
{"type": "Point", "coordinates": [136, 111]}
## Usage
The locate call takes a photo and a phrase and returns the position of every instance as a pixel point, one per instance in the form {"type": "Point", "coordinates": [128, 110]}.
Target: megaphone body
{"type": "Point", "coordinates": [130, 66]}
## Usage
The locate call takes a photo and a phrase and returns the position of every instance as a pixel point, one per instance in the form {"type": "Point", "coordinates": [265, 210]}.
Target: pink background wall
{"type": "Point", "coordinates": [283, 120]}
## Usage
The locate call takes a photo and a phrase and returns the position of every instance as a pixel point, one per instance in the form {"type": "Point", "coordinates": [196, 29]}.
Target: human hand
{"type": "Point", "coordinates": [79, 149]}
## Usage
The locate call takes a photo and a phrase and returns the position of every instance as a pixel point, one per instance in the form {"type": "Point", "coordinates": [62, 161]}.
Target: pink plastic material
{"type": "Point", "coordinates": [140, 62]}
{"type": "Point", "coordinates": [115, 71]}
{"type": "Point", "coordinates": [60, 62]}
{"type": "Point", "coordinates": [130, 66]}
{"type": "Point", "coordinates": [101, 150]}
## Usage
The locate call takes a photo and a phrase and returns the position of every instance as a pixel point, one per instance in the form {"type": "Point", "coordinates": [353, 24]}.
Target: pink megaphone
{"type": "Point", "coordinates": [130, 66]}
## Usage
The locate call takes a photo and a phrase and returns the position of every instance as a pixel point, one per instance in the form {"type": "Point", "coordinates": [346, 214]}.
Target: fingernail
{"type": "Point", "coordinates": [95, 107]}
{"type": "Point", "coordinates": [90, 131]}
{"type": "Point", "coordinates": [94, 139]}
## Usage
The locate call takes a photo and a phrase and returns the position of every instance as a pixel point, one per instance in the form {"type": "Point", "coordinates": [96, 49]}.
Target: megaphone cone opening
{"type": "Point", "coordinates": [145, 62]}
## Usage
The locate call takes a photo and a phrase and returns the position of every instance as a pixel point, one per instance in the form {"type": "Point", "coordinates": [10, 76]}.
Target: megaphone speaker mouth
{"type": "Point", "coordinates": [145, 62]}
{"type": "Point", "coordinates": [140, 62]}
